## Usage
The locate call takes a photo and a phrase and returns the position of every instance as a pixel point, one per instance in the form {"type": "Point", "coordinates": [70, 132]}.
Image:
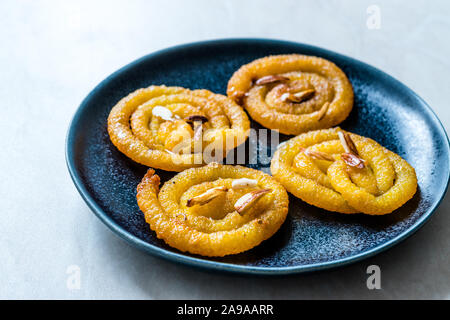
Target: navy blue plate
{"type": "Point", "coordinates": [311, 238]}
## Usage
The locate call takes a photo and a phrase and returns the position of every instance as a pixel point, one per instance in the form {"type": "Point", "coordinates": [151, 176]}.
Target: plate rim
{"type": "Point", "coordinates": [222, 266]}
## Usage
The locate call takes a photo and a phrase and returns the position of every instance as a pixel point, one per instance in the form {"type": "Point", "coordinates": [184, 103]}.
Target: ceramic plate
{"type": "Point", "coordinates": [311, 238]}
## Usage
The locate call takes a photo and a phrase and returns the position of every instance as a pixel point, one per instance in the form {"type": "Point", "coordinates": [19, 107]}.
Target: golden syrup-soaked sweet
{"type": "Point", "coordinates": [293, 93]}
{"type": "Point", "coordinates": [150, 126]}
{"type": "Point", "coordinates": [213, 228]}
{"type": "Point", "coordinates": [384, 184]}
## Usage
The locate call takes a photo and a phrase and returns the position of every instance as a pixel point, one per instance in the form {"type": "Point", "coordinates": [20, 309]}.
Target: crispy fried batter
{"type": "Point", "coordinates": [384, 184]}
{"type": "Point", "coordinates": [163, 139]}
{"type": "Point", "coordinates": [293, 93]}
{"type": "Point", "coordinates": [213, 228]}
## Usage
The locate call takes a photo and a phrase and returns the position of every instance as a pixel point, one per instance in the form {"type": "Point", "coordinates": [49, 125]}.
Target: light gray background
{"type": "Point", "coordinates": [54, 52]}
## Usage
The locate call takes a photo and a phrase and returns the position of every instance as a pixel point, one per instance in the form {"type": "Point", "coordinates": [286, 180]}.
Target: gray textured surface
{"type": "Point", "coordinates": [55, 52]}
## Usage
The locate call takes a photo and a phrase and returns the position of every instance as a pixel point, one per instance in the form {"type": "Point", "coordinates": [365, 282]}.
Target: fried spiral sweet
{"type": "Point", "coordinates": [214, 210]}
{"type": "Point", "coordinates": [344, 172]}
{"type": "Point", "coordinates": [170, 127]}
{"type": "Point", "coordinates": [293, 93]}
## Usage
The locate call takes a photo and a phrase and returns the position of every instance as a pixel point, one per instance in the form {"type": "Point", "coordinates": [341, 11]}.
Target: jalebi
{"type": "Point", "coordinates": [293, 93]}
{"type": "Point", "coordinates": [170, 127]}
{"type": "Point", "coordinates": [214, 210]}
{"type": "Point", "coordinates": [344, 172]}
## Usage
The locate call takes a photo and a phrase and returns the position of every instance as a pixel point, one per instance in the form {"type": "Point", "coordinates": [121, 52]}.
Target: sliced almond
{"type": "Point", "coordinates": [318, 155]}
{"type": "Point", "coordinates": [248, 199]}
{"type": "Point", "coordinates": [163, 113]}
{"type": "Point", "coordinates": [270, 79]}
{"type": "Point", "coordinates": [169, 152]}
{"type": "Point", "coordinates": [196, 117]}
{"type": "Point", "coordinates": [285, 96]}
{"type": "Point", "coordinates": [351, 156]}
{"type": "Point", "coordinates": [353, 160]}
{"type": "Point", "coordinates": [323, 111]}
{"type": "Point", "coordinates": [347, 143]}
{"type": "Point", "coordinates": [299, 96]}
{"type": "Point", "coordinates": [243, 183]}
{"type": "Point", "coordinates": [302, 95]}
{"type": "Point", "coordinates": [206, 197]}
